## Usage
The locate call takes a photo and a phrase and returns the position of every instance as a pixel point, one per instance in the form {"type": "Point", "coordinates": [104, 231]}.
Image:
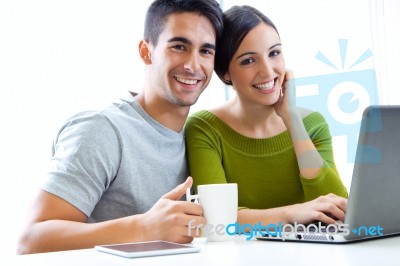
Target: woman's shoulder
{"type": "Point", "coordinates": [202, 119]}
{"type": "Point", "coordinates": [201, 115]}
{"type": "Point", "coordinates": [312, 118]}
{"type": "Point", "coordinates": [306, 113]}
{"type": "Point", "coordinates": [213, 114]}
{"type": "Point", "coordinates": [208, 120]}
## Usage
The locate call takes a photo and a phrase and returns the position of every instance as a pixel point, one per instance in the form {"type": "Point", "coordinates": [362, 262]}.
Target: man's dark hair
{"type": "Point", "coordinates": [159, 10]}
{"type": "Point", "coordinates": [238, 22]}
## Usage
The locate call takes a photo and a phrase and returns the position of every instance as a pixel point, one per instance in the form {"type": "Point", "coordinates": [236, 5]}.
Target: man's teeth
{"type": "Point", "coordinates": [187, 81]}
{"type": "Point", "coordinates": [265, 86]}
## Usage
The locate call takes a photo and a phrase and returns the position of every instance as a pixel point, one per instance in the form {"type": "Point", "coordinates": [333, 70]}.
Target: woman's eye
{"type": "Point", "coordinates": [247, 61]}
{"type": "Point", "coordinates": [275, 53]}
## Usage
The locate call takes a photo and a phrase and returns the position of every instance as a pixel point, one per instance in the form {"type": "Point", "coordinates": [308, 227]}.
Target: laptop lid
{"type": "Point", "coordinates": [374, 198]}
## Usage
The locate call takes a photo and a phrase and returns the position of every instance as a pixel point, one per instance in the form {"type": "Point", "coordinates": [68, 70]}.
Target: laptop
{"type": "Point", "coordinates": [374, 199]}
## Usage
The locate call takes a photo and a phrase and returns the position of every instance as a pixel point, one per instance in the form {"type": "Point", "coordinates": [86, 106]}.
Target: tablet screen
{"type": "Point", "coordinates": [151, 248]}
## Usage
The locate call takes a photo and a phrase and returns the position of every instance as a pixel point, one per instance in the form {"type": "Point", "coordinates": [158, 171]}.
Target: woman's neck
{"type": "Point", "coordinates": [254, 121]}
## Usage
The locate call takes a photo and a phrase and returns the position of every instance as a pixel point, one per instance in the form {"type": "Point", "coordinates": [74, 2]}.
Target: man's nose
{"type": "Point", "coordinates": [192, 63]}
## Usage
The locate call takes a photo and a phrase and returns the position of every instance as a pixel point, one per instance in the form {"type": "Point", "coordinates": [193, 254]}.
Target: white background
{"type": "Point", "coordinates": [61, 57]}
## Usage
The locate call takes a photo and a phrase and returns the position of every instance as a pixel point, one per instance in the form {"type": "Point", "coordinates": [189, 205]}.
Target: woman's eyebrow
{"type": "Point", "coordinates": [275, 45]}
{"type": "Point", "coordinates": [246, 53]}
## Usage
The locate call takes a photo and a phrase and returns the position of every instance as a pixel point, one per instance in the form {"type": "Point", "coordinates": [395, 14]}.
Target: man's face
{"type": "Point", "coordinates": [182, 62]}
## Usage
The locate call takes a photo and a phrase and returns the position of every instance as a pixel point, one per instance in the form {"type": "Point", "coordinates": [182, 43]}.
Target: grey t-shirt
{"type": "Point", "coordinates": [115, 162]}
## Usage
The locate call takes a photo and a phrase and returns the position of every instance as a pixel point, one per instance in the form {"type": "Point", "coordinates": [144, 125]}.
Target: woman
{"type": "Point", "coordinates": [280, 155]}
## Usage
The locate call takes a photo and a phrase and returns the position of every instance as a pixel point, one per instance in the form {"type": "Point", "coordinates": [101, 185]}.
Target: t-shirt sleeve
{"type": "Point", "coordinates": [86, 154]}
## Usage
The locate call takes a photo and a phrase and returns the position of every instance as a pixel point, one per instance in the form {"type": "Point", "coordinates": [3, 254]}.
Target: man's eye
{"type": "Point", "coordinates": [206, 51]}
{"type": "Point", "coordinates": [178, 47]}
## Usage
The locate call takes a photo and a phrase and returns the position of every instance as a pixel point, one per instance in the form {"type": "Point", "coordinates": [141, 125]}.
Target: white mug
{"type": "Point", "coordinates": [220, 205]}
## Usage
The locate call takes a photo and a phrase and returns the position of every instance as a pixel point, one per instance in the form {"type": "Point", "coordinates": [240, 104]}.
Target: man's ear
{"type": "Point", "coordinates": [144, 51]}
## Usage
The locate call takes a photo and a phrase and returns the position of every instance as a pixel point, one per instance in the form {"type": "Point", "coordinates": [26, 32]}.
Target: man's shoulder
{"type": "Point", "coordinates": [104, 118]}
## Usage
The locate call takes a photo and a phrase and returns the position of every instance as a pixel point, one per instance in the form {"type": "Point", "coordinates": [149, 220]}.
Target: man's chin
{"type": "Point", "coordinates": [183, 102]}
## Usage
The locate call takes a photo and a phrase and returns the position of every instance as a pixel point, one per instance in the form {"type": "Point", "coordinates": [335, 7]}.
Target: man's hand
{"type": "Point", "coordinates": [168, 219]}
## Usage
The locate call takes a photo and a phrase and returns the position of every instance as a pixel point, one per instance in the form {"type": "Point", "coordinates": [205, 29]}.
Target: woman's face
{"type": "Point", "coordinates": [257, 68]}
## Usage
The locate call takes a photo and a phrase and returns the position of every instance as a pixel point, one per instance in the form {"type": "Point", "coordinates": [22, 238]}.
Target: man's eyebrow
{"type": "Point", "coordinates": [247, 53]}
{"type": "Point", "coordinates": [209, 46]}
{"type": "Point", "coordinates": [180, 39]}
{"type": "Point", "coordinates": [186, 41]}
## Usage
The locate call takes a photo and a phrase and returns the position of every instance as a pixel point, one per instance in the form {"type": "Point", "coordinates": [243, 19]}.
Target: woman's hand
{"type": "Point", "coordinates": [327, 209]}
{"type": "Point", "coordinates": [286, 104]}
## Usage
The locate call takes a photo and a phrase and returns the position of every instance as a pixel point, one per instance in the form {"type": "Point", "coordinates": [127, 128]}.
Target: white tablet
{"type": "Point", "coordinates": [146, 249]}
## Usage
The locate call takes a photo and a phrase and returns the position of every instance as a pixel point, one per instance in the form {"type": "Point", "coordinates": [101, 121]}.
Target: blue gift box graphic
{"type": "Point", "coordinates": [340, 97]}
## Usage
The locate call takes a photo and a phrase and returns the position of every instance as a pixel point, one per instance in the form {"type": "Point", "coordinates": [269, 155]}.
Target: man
{"type": "Point", "coordinates": [115, 173]}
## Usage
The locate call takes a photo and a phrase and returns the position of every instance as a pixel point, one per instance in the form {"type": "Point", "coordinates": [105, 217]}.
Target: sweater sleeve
{"type": "Point", "coordinates": [204, 154]}
{"type": "Point", "coordinates": [328, 179]}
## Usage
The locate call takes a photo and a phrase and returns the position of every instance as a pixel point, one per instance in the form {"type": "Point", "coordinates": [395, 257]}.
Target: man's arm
{"type": "Point", "coordinates": [54, 224]}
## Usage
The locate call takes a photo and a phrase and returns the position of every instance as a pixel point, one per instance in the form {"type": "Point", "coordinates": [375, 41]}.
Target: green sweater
{"type": "Point", "coordinates": [265, 170]}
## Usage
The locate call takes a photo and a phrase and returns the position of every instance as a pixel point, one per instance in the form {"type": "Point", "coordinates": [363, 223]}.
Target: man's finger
{"type": "Point", "coordinates": [179, 191]}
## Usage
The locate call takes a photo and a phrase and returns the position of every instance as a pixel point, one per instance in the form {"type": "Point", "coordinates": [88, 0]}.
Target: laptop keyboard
{"type": "Point", "coordinates": [324, 228]}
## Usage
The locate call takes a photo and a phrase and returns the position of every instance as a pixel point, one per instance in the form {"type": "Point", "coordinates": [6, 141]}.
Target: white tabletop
{"type": "Point", "coordinates": [239, 252]}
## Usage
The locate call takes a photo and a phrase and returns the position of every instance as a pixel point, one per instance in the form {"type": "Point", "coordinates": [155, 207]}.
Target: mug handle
{"type": "Point", "coordinates": [190, 197]}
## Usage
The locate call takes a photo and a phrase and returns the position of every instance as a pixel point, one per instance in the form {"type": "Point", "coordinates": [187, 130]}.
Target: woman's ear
{"type": "Point", "coordinates": [227, 78]}
{"type": "Point", "coordinates": [144, 51]}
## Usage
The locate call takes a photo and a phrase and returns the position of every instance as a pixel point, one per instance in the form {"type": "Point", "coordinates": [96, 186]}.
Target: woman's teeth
{"type": "Point", "coordinates": [265, 86]}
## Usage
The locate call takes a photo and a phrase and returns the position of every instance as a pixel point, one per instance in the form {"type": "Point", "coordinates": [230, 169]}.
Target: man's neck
{"type": "Point", "coordinates": [164, 112]}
